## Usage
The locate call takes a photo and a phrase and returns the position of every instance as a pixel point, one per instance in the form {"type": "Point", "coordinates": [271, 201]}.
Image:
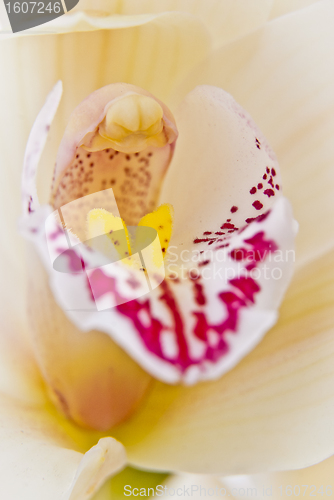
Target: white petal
{"type": "Point", "coordinates": [274, 411]}
{"type": "Point", "coordinates": [316, 481]}
{"type": "Point", "coordinates": [284, 76]}
{"type": "Point", "coordinates": [225, 19]}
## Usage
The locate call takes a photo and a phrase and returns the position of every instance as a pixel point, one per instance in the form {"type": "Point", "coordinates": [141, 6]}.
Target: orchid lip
{"type": "Point", "coordinates": [186, 328]}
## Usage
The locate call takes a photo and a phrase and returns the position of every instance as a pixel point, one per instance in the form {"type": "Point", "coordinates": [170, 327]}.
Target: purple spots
{"type": "Point", "coordinates": [257, 205]}
{"type": "Point", "coordinates": [269, 192]}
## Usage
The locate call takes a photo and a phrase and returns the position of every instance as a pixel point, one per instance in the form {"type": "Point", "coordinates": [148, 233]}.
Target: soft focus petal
{"type": "Point", "coordinates": [224, 19]}
{"type": "Point", "coordinates": [281, 7]}
{"type": "Point", "coordinates": [315, 481]}
{"type": "Point", "coordinates": [41, 461]}
{"type": "Point", "coordinates": [274, 411]}
{"type": "Point", "coordinates": [284, 76]}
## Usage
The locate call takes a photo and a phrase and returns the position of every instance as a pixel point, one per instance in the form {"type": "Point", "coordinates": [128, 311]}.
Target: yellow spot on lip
{"type": "Point", "coordinates": [162, 221]}
{"type": "Point", "coordinates": [106, 226]}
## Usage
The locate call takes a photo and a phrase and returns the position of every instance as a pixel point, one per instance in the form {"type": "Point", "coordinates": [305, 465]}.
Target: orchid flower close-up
{"type": "Point", "coordinates": [167, 250]}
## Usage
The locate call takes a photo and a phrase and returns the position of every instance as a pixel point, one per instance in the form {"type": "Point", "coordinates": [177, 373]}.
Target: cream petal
{"type": "Point", "coordinates": [273, 412]}
{"type": "Point", "coordinates": [39, 460]}
{"type": "Point", "coordinates": [226, 20]}
{"type": "Point", "coordinates": [316, 481]}
{"type": "Point", "coordinates": [153, 54]}
{"type": "Point", "coordinates": [281, 7]}
{"type": "Point", "coordinates": [283, 75]}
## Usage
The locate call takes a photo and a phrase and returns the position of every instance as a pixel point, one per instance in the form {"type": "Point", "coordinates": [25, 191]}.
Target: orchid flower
{"type": "Point", "coordinates": [247, 398]}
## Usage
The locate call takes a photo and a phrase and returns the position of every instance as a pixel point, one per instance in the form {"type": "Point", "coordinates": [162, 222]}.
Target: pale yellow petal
{"type": "Point", "coordinates": [104, 459]}
{"type": "Point", "coordinates": [283, 76]}
{"type": "Point", "coordinates": [273, 411]}
{"type": "Point", "coordinates": [226, 20]}
{"type": "Point", "coordinates": [315, 481]}
{"type": "Point", "coordinates": [281, 7]}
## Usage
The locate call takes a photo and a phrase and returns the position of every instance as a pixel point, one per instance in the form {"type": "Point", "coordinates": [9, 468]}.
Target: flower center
{"type": "Point", "coordinates": [132, 123]}
{"type": "Point", "coordinates": [121, 137]}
